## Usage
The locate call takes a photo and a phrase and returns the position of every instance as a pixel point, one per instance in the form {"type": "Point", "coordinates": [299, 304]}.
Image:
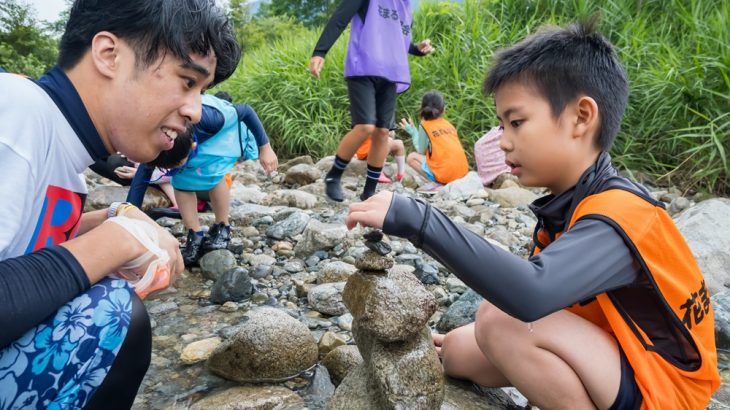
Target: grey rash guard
{"type": "Point", "coordinates": [589, 259]}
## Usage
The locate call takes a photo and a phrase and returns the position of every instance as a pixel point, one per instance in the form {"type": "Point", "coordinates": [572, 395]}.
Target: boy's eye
{"type": "Point", "coordinates": [515, 123]}
{"type": "Point", "coordinates": [189, 82]}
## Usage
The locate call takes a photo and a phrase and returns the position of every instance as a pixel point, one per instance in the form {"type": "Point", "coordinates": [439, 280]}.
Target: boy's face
{"type": "Point", "coordinates": [146, 108]}
{"type": "Point", "coordinates": [538, 146]}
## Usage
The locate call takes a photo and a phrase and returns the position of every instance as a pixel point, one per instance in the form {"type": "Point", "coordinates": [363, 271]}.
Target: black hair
{"type": "Point", "coordinates": [174, 156]}
{"type": "Point", "coordinates": [153, 28]}
{"type": "Point", "coordinates": [432, 105]}
{"type": "Point", "coordinates": [563, 64]}
{"type": "Point", "coordinates": [223, 95]}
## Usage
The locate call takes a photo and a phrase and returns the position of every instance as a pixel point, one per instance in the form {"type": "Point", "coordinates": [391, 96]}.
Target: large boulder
{"type": "Point", "coordinates": [269, 345]}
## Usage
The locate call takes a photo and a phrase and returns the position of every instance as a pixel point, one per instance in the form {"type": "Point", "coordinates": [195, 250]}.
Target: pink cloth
{"type": "Point", "coordinates": [489, 157]}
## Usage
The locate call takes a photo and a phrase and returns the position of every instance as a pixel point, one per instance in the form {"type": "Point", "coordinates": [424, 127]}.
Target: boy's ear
{"type": "Point", "coordinates": [105, 53]}
{"type": "Point", "coordinates": [587, 122]}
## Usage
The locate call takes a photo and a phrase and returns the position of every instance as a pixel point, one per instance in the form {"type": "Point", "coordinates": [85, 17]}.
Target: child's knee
{"type": "Point", "coordinates": [364, 129]}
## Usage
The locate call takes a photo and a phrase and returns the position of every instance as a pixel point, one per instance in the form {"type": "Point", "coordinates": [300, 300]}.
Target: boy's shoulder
{"type": "Point", "coordinates": [19, 91]}
{"type": "Point", "coordinates": [25, 111]}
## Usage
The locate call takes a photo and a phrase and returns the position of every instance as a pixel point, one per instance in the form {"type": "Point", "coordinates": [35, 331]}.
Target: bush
{"type": "Point", "coordinates": [676, 128]}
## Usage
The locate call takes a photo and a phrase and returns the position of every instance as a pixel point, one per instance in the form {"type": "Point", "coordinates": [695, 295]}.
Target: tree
{"type": "Point", "coordinates": [308, 12]}
{"type": "Point", "coordinates": [263, 30]}
{"type": "Point", "coordinates": [25, 47]}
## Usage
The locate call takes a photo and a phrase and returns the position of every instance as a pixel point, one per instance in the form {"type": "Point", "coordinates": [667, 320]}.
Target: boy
{"type": "Point", "coordinates": [129, 78]}
{"type": "Point", "coordinates": [220, 144]}
{"type": "Point", "coordinates": [376, 69]}
{"type": "Point", "coordinates": [618, 313]}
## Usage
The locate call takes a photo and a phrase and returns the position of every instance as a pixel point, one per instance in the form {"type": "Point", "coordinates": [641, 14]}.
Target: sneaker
{"type": "Point", "coordinates": [219, 236]}
{"type": "Point", "coordinates": [193, 246]}
{"type": "Point", "coordinates": [383, 179]}
{"type": "Point", "coordinates": [333, 189]}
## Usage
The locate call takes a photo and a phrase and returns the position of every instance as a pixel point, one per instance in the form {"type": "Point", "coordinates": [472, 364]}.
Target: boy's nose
{"type": "Point", "coordinates": [192, 109]}
{"type": "Point", "coordinates": [504, 143]}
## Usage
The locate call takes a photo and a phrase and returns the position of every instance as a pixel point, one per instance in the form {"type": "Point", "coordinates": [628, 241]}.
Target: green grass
{"type": "Point", "coordinates": [676, 53]}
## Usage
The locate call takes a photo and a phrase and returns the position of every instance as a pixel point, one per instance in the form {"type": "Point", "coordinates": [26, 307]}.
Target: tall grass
{"type": "Point", "coordinates": [676, 52]}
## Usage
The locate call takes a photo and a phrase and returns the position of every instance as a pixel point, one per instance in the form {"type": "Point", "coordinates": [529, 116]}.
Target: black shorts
{"type": "Point", "coordinates": [372, 101]}
{"type": "Point", "coordinates": [629, 396]}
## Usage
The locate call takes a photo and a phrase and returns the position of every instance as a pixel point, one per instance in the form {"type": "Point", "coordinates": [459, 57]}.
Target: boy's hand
{"type": "Point", "coordinates": [166, 241]}
{"type": "Point", "coordinates": [405, 123]}
{"type": "Point", "coordinates": [315, 65]}
{"type": "Point", "coordinates": [371, 212]}
{"type": "Point", "coordinates": [268, 159]}
{"type": "Point", "coordinates": [425, 47]}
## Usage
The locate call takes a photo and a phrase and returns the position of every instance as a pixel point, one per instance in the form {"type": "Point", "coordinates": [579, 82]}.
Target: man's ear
{"type": "Point", "coordinates": [587, 121]}
{"type": "Point", "coordinates": [105, 53]}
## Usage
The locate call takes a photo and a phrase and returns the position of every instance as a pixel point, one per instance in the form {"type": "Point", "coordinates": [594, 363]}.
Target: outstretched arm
{"type": "Point", "coordinates": [332, 31]}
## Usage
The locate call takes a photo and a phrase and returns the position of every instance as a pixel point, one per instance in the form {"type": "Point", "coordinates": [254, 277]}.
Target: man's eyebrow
{"type": "Point", "coordinates": [196, 67]}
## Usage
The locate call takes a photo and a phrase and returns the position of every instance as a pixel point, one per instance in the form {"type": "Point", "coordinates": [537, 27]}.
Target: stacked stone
{"type": "Point", "coordinates": [390, 309]}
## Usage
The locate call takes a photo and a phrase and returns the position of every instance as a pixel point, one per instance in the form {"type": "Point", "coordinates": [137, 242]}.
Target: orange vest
{"type": "Point", "coordinates": [446, 157]}
{"type": "Point", "coordinates": [665, 381]}
{"type": "Point", "coordinates": [364, 149]}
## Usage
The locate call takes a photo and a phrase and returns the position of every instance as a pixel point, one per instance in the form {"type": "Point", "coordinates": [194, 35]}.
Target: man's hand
{"type": "Point", "coordinates": [166, 241]}
{"type": "Point", "coordinates": [268, 159]}
{"type": "Point", "coordinates": [371, 212]}
{"type": "Point", "coordinates": [425, 47]}
{"type": "Point", "coordinates": [315, 65]}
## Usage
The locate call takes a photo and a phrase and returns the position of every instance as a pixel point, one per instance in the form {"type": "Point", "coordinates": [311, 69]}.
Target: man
{"type": "Point", "coordinates": [129, 78]}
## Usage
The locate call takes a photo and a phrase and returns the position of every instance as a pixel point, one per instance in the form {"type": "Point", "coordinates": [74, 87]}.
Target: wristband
{"type": "Point", "coordinates": [118, 208]}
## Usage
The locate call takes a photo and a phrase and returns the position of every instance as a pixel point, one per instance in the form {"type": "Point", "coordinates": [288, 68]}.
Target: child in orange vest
{"type": "Point", "coordinates": [395, 147]}
{"type": "Point", "coordinates": [439, 156]}
{"type": "Point", "coordinates": [611, 310]}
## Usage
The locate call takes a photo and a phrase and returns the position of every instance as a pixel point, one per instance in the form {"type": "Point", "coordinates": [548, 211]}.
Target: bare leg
{"type": "Point", "coordinates": [220, 197]}
{"type": "Point", "coordinates": [379, 147]}
{"type": "Point", "coordinates": [187, 203]}
{"type": "Point", "coordinates": [167, 188]}
{"type": "Point", "coordinates": [563, 361]}
{"type": "Point", "coordinates": [414, 161]}
{"type": "Point", "coordinates": [462, 358]}
{"type": "Point", "coordinates": [353, 139]}
{"type": "Point", "coordinates": [396, 147]}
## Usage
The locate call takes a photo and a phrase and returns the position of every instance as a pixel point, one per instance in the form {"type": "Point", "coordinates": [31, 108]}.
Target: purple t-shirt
{"type": "Point", "coordinates": [379, 45]}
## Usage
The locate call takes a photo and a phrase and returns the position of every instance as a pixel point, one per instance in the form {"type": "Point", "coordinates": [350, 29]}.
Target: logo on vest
{"type": "Point", "coordinates": [59, 218]}
{"type": "Point", "coordinates": [696, 307]}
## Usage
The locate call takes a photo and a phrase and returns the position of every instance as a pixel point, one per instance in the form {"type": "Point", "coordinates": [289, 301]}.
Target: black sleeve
{"type": "Point", "coordinates": [589, 259]}
{"type": "Point", "coordinates": [413, 50]}
{"type": "Point", "coordinates": [34, 286]}
{"type": "Point", "coordinates": [253, 123]}
{"type": "Point", "coordinates": [336, 24]}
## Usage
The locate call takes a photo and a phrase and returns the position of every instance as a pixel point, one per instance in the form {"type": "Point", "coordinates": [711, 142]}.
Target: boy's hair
{"type": "Point", "coordinates": [563, 64]}
{"type": "Point", "coordinates": [432, 105]}
{"type": "Point", "coordinates": [153, 28]}
{"type": "Point", "coordinates": [223, 95]}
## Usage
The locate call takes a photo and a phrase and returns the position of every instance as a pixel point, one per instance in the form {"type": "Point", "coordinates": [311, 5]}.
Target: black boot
{"type": "Point", "coordinates": [219, 236]}
{"type": "Point", "coordinates": [193, 246]}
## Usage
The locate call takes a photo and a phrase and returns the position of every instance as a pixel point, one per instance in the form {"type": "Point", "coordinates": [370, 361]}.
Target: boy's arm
{"type": "Point", "coordinates": [336, 24]}
{"type": "Point", "coordinates": [253, 123]}
{"type": "Point", "coordinates": [138, 187]}
{"type": "Point", "coordinates": [589, 259]}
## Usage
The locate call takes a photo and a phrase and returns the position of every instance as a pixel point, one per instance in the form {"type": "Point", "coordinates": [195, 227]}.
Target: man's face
{"type": "Point", "coordinates": [538, 146]}
{"type": "Point", "coordinates": [147, 108]}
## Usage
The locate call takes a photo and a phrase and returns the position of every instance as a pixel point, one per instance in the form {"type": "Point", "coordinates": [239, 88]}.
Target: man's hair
{"type": "Point", "coordinates": [563, 64]}
{"type": "Point", "coordinates": [153, 28]}
{"type": "Point", "coordinates": [223, 95]}
{"type": "Point", "coordinates": [432, 105]}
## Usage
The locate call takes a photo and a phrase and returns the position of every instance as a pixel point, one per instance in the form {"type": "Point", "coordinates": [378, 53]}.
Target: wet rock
{"type": "Point", "coordinates": [330, 341]}
{"type": "Point", "coordinates": [251, 398]}
{"type": "Point", "coordinates": [199, 351]}
{"type": "Point", "coordinates": [293, 225]}
{"type": "Point", "coordinates": [372, 261]}
{"type": "Point", "coordinates": [215, 263]}
{"type": "Point", "coordinates": [426, 273]}
{"type": "Point", "coordinates": [461, 395]}
{"type": "Point", "coordinates": [234, 285]}
{"type": "Point", "coordinates": [291, 197]}
{"type": "Point", "coordinates": [320, 236]}
{"type": "Point", "coordinates": [336, 271]}
{"type": "Point", "coordinates": [341, 361]}
{"type": "Point", "coordinates": [461, 312]}
{"type": "Point", "coordinates": [512, 197]}
{"type": "Point", "coordinates": [327, 298]}
{"type": "Point", "coordinates": [246, 214]}
{"type": "Point", "coordinates": [302, 174]}
{"type": "Point", "coordinates": [270, 345]}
